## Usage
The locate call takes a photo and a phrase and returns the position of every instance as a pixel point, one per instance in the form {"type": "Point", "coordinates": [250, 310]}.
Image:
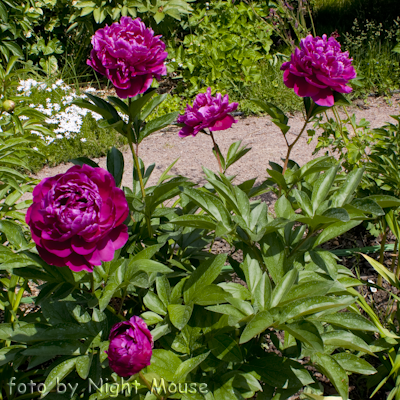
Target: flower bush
{"type": "Point", "coordinates": [97, 266]}
{"type": "Point", "coordinates": [77, 218]}
{"type": "Point", "coordinates": [318, 69]}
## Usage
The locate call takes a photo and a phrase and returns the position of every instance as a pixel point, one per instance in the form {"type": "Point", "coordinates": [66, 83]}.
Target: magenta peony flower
{"type": "Point", "coordinates": [207, 112]}
{"type": "Point", "coordinates": [318, 69]}
{"type": "Point", "coordinates": [130, 347]}
{"type": "Point", "coordinates": [77, 218]}
{"type": "Point", "coordinates": [129, 55]}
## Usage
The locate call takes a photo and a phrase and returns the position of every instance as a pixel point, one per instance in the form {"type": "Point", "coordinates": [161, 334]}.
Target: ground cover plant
{"type": "Point", "coordinates": [132, 300]}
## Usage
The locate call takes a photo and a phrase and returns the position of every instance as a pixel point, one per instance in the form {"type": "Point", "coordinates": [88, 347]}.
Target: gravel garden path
{"type": "Point", "coordinates": [259, 133]}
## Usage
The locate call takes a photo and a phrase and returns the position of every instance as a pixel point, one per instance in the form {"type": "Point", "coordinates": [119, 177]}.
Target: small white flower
{"type": "Point", "coordinates": [48, 90]}
{"type": "Point", "coordinates": [83, 140]}
{"type": "Point", "coordinates": [59, 136]}
{"type": "Point", "coordinates": [35, 148]}
{"type": "Point", "coordinates": [90, 90]}
{"type": "Point", "coordinates": [173, 60]}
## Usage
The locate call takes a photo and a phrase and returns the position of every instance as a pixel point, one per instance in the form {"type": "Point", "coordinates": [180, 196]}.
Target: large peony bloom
{"type": "Point", "coordinates": [129, 55]}
{"type": "Point", "coordinates": [77, 218]}
{"type": "Point", "coordinates": [130, 347]}
{"type": "Point", "coordinates": [207, 112]}
{"type": "Point", "coordinates": [318, 69]}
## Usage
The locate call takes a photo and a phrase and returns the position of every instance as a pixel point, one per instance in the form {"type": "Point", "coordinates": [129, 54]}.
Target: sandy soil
{"type": "Point", "coordinates": [260, 134]}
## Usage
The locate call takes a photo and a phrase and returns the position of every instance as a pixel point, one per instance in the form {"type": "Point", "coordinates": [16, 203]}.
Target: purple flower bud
{"type": "Point", "coordinates": [130, 347]}
{"type": "Point", "coordinates": [318, 69]}
{"type": "Point", "coordinates": [77, 218]}
{"type": "Point", "coordinates": [129, 55]}
{"type": "Point", "coordinates": [207, 112]}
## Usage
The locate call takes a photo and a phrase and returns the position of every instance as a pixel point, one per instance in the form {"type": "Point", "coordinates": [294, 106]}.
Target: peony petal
{"type": "Point", "coordinates": [223, 124]}
{"type": "Point", "coordinates": [60, 249]}
{"type": "Point", "coordinates": [79, 263]}
{"type": "Point", "coordinates": [119, 236]}
{"type": "Point", "coordinates": [324, 98]}
{"type": "Point", "coordinates": [50, 258]}
{"type": "Point", "coordinates": [304, 89]}
{"type": "Point", "coordinates": [80, 246]}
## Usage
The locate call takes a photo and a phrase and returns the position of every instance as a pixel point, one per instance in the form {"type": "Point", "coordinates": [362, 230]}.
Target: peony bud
{"type": "Point", "coordinates": [8, 106]}
{"type": "Point", "coordinates": [130, 347]}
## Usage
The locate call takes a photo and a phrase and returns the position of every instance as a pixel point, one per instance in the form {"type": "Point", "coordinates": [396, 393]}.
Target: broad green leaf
{"type": "Point", "coordinates": [283, 208]}
{"type": "Point", "coordinates": [273, 254]}
{"type": "Point", "coordinates": [164, 363]}
{"type": "Point", "coordinates": [163, 289]}
{"type": "Point", "coordinates": [57, 374]}
{"type": "Point", "coordinates": [335, 230]}
{"type": "Point", "coordinates": [210, 295]}
{"type": "Point", "coordinates": [336, 374]}
{"type": "Point", "coordinates": [148, 266]}
{"type": "Point", "coordinates": [188, 366]}
{"type": "Point", "coordinates": [348, 320]}
{"type": "Point", "coordinates": [55, 348]}
{"type": "Point", "coordinates": [151, 105]}
{"type": "Point", "coordinates": [385, 201]}
{"type": "Point", "coordinates": [352, 363]}
{"type": "Point", "coordinates": [83, 364]}
{"type": "Point", "coordinates": [115, 165]}
{"type": "Point", "coordinates": [84, 160]}
{"type": "Point", "coordinates": [210, 203]}
{"type": "Point", "coordinates": [259, 323]}
{"type": "Point", "coordinates": [367, 205]}
{"type": "Point", "coordinates": [195, 221]}
{"type": "Point", "coordinates": [307, 332]}
{"type": "Point", "coordinates": [262, 293]}
{"type": "Point", "coordinates": [322, 187]}
{"type": "Point", "coordinates": [153, 303]}
{"type": "Point", "coordinates": [304, 202]}
{"type": "Point", "coordinates": [347, 340]}
{"type": "Point", "coordinates": [157, 124]}
{"type": "Point", "coordinates": [347, 189]}
{"type": "Point", "coordinates": [311, 305]}
{"type": "Point", "coordinates": [284, 287]}
{"type": "Point", "coordinates": [253, 274]}
{"type": "Point", "coordinates": [14, 234]}
{"type": "Point", "coordinates": [304, 290]}
{"type": "Point", "coordinates": [203, 276]}
{"type": "Point", "coordinates": [225, 348]}
{"type": "Point", "coordinates": [179, 315]}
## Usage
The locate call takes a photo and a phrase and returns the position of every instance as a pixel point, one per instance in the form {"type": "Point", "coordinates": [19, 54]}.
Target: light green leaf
{"type": "Point", "coordinates": [257, 325]}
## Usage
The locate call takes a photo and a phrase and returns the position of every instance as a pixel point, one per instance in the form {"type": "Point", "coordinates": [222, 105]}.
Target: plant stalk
{"type": "Point", "coordinates": [290, 147]}
{"type": "Point", "coordinates": [147, 383]}
{"type": "Point", "coordinates": [217, 152]}
{"type": "Point", "coordinates": [137, 166]}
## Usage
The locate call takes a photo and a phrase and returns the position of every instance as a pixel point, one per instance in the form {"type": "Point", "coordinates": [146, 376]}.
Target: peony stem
{"type": "Point", "coordinates": [351, 122]}
{"type": "Point", "coordinates": [217, 152]}
{"type": "Point", "coordinates": [137, 166]}
{"type": "Point", "coordinates": [147, 383]}
{"type": "Point", "coordinates": [135, 157]}
{"type": "Point", "coordinates": [290, 147]}
{"type": "Point", "coordinates": [337, 117]}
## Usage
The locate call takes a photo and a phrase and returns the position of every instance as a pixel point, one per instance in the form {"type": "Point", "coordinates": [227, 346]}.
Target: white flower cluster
{"type": "Point", "coordinates": [68, 121]}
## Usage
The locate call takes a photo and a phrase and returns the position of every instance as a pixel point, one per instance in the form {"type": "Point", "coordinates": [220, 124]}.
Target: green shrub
{"type": "Point", "coordinates": [222, 45]}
